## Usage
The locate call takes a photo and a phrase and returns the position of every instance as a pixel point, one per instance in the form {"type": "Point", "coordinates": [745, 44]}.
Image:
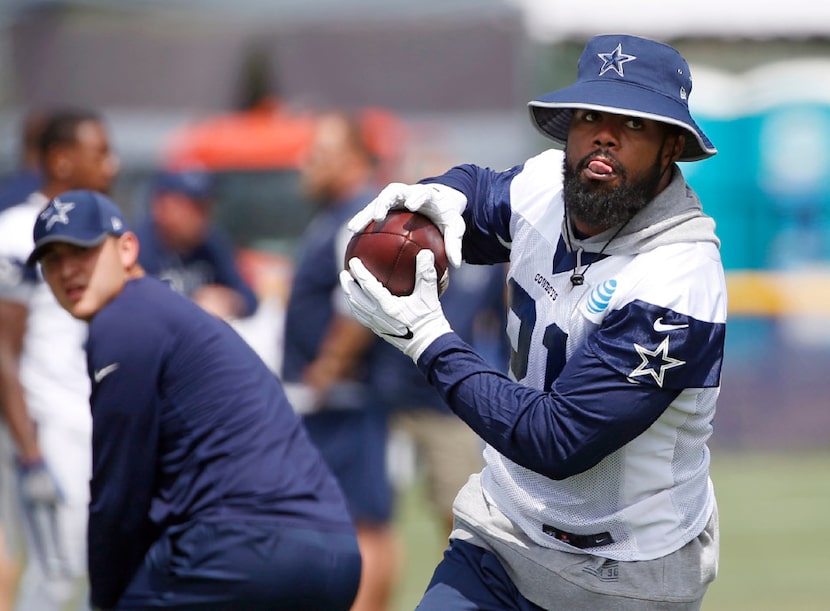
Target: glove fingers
{"type": "Point", "coordinates": [360, 220]}
{"type": "Point", "coordinates": [365, 278]}
{"type": "Point", "coordinates": [392, 196]}
{"type": "Point", "coordinates": [419, 200]}
{"type": "Point", "coordinates": [360, 303]}
{"type": "Point", "coordinates": [378, 207]}
{"type": "Point", "coordinates": [365, 307]}
{"type": "Point", "coordinates": [425, 266]}
{"type": "Point", "coordinates": [453, 234]}
{"type": "Point", "coordinates": [426, 280]}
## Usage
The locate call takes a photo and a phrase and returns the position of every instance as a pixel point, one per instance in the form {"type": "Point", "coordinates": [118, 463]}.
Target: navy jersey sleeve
{"type": "Point", "coordinates": [487, 215]}
{"type": "Point", "coordinates": [591, 411]}
{"type": "Point", "coordinates": [123, 360]}
{"type": "Point", "coordinates": [227, 273]}
{"type": "Point", "coordinates": [614, 386]}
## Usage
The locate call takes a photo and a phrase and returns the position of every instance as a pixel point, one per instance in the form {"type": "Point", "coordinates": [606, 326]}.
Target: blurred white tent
{"type": "Point", "coordinates": [551, 20]}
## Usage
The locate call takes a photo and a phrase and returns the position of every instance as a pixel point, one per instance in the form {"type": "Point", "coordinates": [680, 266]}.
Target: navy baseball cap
{"type": "Point", "coordinates": [195, 184]}
{"type": "Point", "coordinates": [82, 218]}
{"type": "Point", "coordinates": [626, 75]}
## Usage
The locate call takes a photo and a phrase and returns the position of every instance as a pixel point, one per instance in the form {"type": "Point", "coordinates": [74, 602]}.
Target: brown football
{"type": "Point", "coordinates": [388, 249]}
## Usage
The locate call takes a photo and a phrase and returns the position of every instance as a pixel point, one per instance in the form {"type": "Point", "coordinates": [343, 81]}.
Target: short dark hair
{"type": "Point", "coordinates": [61, 127]}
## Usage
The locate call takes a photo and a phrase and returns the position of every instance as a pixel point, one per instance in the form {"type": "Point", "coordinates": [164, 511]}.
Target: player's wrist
{"type": "Point", "coordinates": [424, 334]}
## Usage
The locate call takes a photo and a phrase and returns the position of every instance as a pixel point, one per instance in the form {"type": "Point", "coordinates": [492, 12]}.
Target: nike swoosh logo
{"type": "Point", "coordinates": [102, 373]}
{"type": "Point", "coordinates": [407, 335]}
{"type": "Point", "coordinates": [661, 327]}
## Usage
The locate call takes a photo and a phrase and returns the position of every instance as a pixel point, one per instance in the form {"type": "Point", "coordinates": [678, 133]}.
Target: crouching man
{"type": "Point", "coordinates": [205, 491]}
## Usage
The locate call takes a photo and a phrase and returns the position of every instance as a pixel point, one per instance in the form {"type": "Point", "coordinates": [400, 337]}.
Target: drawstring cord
{"type": "Point", "coordinates": [578, 278]}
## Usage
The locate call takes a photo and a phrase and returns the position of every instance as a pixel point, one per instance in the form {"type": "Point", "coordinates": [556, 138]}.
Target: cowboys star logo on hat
{"type": "Point", "coordinates": [94, 217]}
{"type": "Point", "coordinates": [614, 60]}
{"type": "Point", "coordinates": [56, 213]}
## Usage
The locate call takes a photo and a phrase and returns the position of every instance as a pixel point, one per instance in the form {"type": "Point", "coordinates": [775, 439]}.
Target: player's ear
{"type": "Point", "coordinates": [128, 249]}
{"type": "Point", "coordinates": [676, 144]}
{"type": "Point", "coordinates": [57, 163]}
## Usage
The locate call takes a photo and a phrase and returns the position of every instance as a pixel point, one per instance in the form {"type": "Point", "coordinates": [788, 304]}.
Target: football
{"type": "Point", "coordinates": [388, 249]}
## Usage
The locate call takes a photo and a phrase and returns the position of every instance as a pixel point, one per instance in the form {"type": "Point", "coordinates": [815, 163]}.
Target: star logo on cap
{"type": "Point", "coordinates": [614, 60]}
{"type": "Point", "coordinates": [57, 213]}
{"type": "Point", "coordinates": [655, 362]}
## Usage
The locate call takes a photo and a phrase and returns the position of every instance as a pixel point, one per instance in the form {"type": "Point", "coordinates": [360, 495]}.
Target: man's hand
{"type": "Point", "coordinates": [410, 323]}
{"type": "Point", "coordinates": [40, 496]}
{"type": "Point", "coordinates": [37, 485]}
{"type": "Point", "coordinates": [442, 204]}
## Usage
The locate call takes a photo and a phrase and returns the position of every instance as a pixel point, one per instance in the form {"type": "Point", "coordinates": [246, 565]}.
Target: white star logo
{"type": "Point", "coordinates": [614, 60]}
{"type": "Point", "coordinates": [56, 213]}
{"type": "Point", "coordinates": [655, 362]}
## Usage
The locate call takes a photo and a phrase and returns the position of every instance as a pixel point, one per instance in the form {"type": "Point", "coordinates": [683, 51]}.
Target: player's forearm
{"type": "Point", "coordinates": [20, 426]}
{"type": "Point", "coordinates": [12, 397]}
{"type": "Point", "coordinates": [15, 413]}
{"type": "Point", "coordinates": [341, 350]}
{"type": "Point", "coordinates": [557, 434]}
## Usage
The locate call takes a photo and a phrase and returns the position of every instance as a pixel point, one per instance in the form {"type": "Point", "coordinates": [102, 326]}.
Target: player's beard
{"type": "Point", "coordinates": [597, 205]}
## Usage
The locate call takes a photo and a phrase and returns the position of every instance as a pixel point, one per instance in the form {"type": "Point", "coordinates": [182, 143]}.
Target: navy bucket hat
{"type": "Point", "coordinates": [81, 218]}
{"type": "Point", "coordinates": [631, 76]}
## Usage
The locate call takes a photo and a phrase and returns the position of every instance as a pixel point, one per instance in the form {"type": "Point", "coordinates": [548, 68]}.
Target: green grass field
{"type": "Point", "coordinates": [775, 532]}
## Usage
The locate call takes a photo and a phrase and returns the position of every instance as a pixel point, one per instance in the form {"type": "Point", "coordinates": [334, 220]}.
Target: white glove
{"type": "Point", "coordinates": [38, 486]}
{"type": "Point", "coordinates": [442, 204]}
{"type": "Point", "coordinates": [410, 323]}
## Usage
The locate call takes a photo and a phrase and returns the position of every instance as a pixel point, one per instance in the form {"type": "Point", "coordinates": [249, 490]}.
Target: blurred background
{"type": "Point", "coordinates": [234, 86]}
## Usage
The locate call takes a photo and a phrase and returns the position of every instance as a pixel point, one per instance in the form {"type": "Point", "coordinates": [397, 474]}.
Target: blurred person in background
{"type": "Point", "coordinates": [44, 388]}
{"type": "Point", "coordinates": [181, 244]}
{"type": "Point", "coordinates": [447, 451]}
{"type": "Point", "coordinates": [15, 187]}
{"type": "Point", "coordinates": [26, 177]}
{"type": "Point", "coordinates": [333, 356]}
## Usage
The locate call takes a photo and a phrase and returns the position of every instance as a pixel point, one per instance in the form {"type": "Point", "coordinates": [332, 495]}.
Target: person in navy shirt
{"type": "Point", "coordinates": [206, 492]}
{"type": "Point", "coordinates": [181, 244]}
{"type": "Point", "coordinates": [334, 359]}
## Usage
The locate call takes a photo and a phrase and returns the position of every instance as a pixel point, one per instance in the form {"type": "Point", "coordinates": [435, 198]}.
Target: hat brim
{"type": "Point", "coordinates": [42, 244]}
{"type": "Point", "coordinates": [552, 112]}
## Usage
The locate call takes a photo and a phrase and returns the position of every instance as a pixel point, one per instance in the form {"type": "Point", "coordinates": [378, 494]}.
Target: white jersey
{"type": "Point", "coordinates": [53, 362]}
{"type": "Point", "coordinates": [614, 449]}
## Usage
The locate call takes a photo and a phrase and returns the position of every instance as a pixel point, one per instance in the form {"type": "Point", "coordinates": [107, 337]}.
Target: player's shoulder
{"type": "Point", "coordinates": [534, 188]}
{"type": "Point", "coordinates": [138, 323]}
{"type": "Point", "coordinates": [545, 167]}
{"type": "Point", "coordinates": [687, 277]}
{"type": "Point", "coordinates": [140, 302]}
{"type": "Point", "coordinates": [701, 257]}
{"type": "Point", "coordinates": [547, 158]}
{"type": "Point", "coordinates": [693, 264]}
